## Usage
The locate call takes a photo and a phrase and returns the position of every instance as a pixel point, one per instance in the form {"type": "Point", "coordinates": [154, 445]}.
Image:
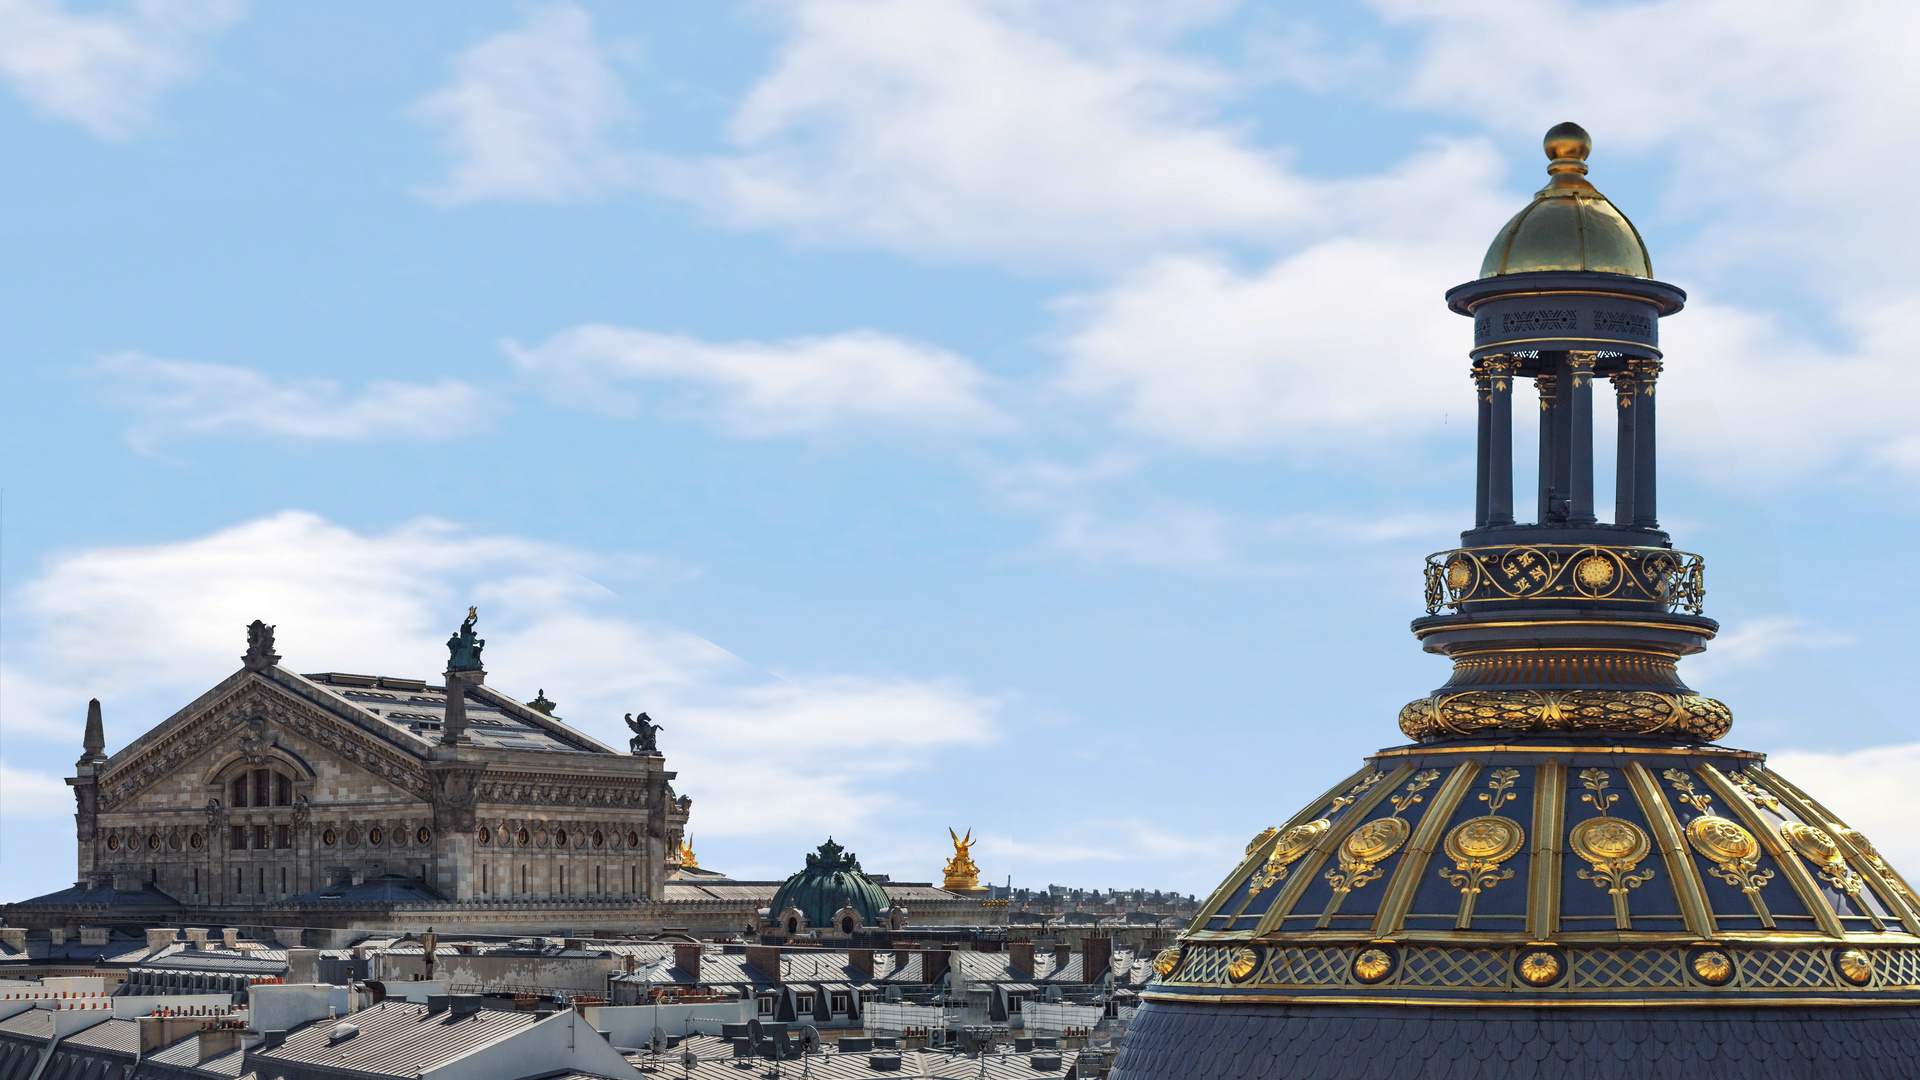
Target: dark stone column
{"type": "Point", "coordinates": [1482, 493]}
{"type": "Point", "coordinates": [1623, 385]}
{"type": "Point", "coordinates": [1580, 438]}
{"type": "Point", "coordinates": [1646, 374]}
{"type": "Point", "coordinates": [1499, 457]}
{"type": "Point", "coordinates": [1549, 414]}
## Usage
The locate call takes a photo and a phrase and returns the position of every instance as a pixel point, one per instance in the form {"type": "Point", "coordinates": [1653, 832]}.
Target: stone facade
{"type": "Point", "coordinates": [276, 791]}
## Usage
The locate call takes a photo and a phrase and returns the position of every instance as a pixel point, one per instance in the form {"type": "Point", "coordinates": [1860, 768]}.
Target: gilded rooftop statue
{"type": "Point", "coordinates": [1563, 871]}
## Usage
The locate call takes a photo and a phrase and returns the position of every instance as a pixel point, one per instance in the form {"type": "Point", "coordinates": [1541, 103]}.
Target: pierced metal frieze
{"type": "Point", "coordinates": [1462, 577]}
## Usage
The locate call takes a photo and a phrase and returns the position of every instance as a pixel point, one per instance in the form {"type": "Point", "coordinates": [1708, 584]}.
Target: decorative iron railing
{"type": "Point", "coordinates": [1466, 576]}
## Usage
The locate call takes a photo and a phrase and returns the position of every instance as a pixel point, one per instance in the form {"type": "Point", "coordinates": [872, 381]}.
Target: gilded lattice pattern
{"type": "Point", "coordinates": [1601, 970]}
{"type": "Point", "coordinates": [1611, 969]}
{"type": "Point", "coordinates": [1779, 969]}
{"type": "Point", "coordinates": [1205, 966]}
{"type": "Point", "coordinates": [1634, 712]}
{"type": "Point", "coordinates": [1454, 967]}
{"type": "Point", "coordinates": [1307, 967]}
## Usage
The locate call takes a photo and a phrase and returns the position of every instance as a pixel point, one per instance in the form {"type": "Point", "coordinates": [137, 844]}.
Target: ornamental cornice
{"type": "Point", "coordinates": [248, 702]}
{"type": "Point", "coordinates": [538, 789]}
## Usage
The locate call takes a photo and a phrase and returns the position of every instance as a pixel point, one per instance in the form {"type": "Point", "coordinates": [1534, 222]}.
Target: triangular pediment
{"type": "Point", "coordinates": [258, 715]}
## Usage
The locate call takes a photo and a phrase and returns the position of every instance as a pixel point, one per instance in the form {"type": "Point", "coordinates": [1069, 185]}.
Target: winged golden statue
{"type": "Point", "coordinates": [961, 871]}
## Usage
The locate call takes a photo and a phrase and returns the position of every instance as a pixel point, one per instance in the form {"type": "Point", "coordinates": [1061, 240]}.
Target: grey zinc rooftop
{"type": "Point", "coordinates": [397, 1039]}
{"type": "Point", "coordinates": [716, 1062]}
{"type": "Point", "coordinates": [412, 713]}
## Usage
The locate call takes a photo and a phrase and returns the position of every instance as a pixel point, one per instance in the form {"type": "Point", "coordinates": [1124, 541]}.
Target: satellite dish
{"type": "Point", "coordinates": [810, 1038]}
{"type": "Point", "coordinates": [755, 1033]}
{"type": "Point", "coordinates": [657, 1042]}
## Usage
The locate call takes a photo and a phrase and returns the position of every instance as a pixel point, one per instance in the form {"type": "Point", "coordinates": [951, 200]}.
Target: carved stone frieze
{"type": "Point", "coordinates": [262, 717]}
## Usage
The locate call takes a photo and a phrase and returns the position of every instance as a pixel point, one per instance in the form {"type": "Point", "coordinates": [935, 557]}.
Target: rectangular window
{"type": "Point", "coordinates": [803, 1004]}
{"type": "Point", "coordinates": [282, 789]}
{"type": "Point", "coordinates": [239, 880]}
{"type": "Point", "coordinates": [240, 791]}
{"type": "Point", "coordinates": [523, 877]}
{"type": "Point", "coordinates": [195, 889]}
{"type": "Point", "coordinates": [283, 877]}
{"type": "Point", "coordinates": [239, 838]}
{"type": "Point", "coordinates": [766, 1006]}
{"type": "Point", "coordinates": [260, 794]}
{"type": "Point", "coordinates": [260, 837]}
{"type": "Point", "coordinates": [260, 882]}
{"type": "Point", "coordinates": [838, 1003]}
{"type": "Point", "coordinates": [283, 836]}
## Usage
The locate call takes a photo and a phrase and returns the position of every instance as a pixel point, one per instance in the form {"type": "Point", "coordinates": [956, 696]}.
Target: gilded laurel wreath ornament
{"type": "Point", "coordinates": [1301, 838]}
{"type": "Point", "coordinates": [1734, 851]}
{"type": "Point", "coordinates": [1630, 712]}
{"type": "Point", "coordinates": [1478, 846]}
{"type": "Point", "coordinates": [1611, 846]}
{"type": "Point", "coordinates": [1373, 842]}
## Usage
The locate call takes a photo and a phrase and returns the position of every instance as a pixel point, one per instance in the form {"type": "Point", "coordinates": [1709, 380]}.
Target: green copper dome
{"type": "Point", "coordinates": [1569, 225]}
{"type": "Point", "coordinates": [832, 880]}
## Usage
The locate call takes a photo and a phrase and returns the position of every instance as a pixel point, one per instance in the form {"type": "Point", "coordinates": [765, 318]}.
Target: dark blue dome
{"type": "Point", "coordinates": [832, 880]}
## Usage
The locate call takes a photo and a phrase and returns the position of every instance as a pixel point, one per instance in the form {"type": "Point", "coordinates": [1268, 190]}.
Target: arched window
{"type": "Point", "coordinates": [261, 787]}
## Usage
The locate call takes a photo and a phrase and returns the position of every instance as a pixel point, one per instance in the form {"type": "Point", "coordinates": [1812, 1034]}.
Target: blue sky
{"type": "Point", "coordinates": [1018, 415]}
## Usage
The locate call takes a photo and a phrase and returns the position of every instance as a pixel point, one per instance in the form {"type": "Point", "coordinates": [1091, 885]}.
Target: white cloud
{"type": "Point", "coordinates": [1871, 790]}
{"type": "Point", "coordinates": [172, 399]}
{"type": "Point", "coordinates": [827, 747]}
{"type": "Point", "coordinates": [1177, 537]}
{"type": "Point", "coordinates": [1346, 337]}
{"type": "Point", "coordinates": [761, 389]}
{"type": "Point", "coordinates": [1040, 133]}
{"type": "Point", "coordinates": [532, 113]}
{"type": "Point", "coordinates": [28, 794]}
{"type": "Point", "coordinates": [1773, 120]}
{"type": "Point", "coordinates": [103, 71]}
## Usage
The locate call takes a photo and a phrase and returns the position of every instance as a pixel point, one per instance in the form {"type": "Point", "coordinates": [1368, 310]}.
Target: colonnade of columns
{"type": "Point", "coordinates": [1565, 384]}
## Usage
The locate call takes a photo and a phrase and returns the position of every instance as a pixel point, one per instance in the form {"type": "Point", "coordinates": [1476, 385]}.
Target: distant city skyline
{"type": "Point", "coordinates": [932, 413]}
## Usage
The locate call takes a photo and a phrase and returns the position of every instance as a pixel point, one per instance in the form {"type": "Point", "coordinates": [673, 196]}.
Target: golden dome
{"type": "Point", "coordinates": [1569, 225]}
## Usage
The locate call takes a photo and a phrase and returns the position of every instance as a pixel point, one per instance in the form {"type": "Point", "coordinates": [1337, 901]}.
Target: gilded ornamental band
{"type": "Point", "coordinates": [1522, 974]}
{"type": "Point", "coordinates": [1626, 712]}
{"type": "Point", "coordinates": [1466, 576]}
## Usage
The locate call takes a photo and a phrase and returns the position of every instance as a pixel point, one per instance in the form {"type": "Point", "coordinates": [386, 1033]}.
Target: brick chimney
{"type": "Point", "coordinates": [1095, 957]}
{"type": "Point", "coordinates": [687, 959]}
{"type": "Point", "coordinates": [767, 959]}
{"type": "Point", "coordinates": [933, 964]}
{"type": "Point", "coordinates": [1020, 955]}
{"type": "Point", "coordinates": [861, 960]}
{"type": "Point", "coordinates": [1060, 954]}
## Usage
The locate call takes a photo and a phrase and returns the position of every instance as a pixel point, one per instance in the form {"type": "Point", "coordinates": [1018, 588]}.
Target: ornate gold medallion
{"type": "Point", "coordinates": [1459, 574]}
{"type": "Point", "coordinates": [1604, 840]}
{"type": "Point", "coordinates": [1166, 960]}
{"type": "Point", "coordinates": [1854, 966]}
{"type": "Point", "coordinates": [1713, 967]}
{"type": "Point", "coordinates": [1595, 572]}
{"type": "Point", "coordinates": [1372, 965]}
{"type": "Point", "coordinates": [1540, 968]}
{"type": "Point", "coordinates": [1242, 964]}
{"type": "Point", "coordinates": [1292, 845]}
{"type": "Point", "coordinates": [1375, 840]}
{"type": "Point", "coordinates": [1813, 843]}
{"type": "Point", "coordinates": [1722, 840]}
{"type": "Point", "coordinates": [1485, 839]}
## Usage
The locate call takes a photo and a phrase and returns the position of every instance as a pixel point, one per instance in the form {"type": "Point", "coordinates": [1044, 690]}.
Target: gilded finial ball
{"type": "Point", "coordinates": [1568, 140]}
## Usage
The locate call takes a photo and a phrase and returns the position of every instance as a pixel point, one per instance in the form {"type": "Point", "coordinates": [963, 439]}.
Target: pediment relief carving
{"type": "Point", "coordinates": [251, 722]}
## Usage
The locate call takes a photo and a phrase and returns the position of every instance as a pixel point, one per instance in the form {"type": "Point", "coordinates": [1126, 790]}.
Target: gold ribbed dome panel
{"type": "Point", "coordinates": [1569, 225]}
{"type": "Point", "coordinates": [1522, 877]}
